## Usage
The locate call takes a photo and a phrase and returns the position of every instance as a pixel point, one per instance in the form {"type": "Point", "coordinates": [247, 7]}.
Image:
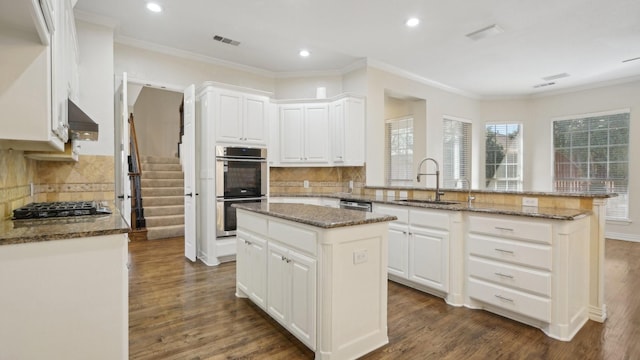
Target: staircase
{"type": "Point", "coordinates": [163, 197]}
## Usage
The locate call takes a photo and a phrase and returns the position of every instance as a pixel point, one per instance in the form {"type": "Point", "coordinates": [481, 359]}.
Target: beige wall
{"type": "Point", "coordinates": [157, 121]}
{"type": "Point", "coordinates": [306, 87]}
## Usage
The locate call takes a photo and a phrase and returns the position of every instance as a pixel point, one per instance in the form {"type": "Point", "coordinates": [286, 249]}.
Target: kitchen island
{"type": "Point", "coordinates": [320, 272]}
{"type": "Point", "coordinates": [64, 288]}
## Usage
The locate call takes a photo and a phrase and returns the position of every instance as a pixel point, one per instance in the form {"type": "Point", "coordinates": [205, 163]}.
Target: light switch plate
{"type": "Point", "coordinates": [529, 201]}
{"type": "Point", "coordinates": [306, 184]}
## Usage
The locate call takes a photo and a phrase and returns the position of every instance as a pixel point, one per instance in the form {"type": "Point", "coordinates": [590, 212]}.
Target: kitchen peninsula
{"type": "Point", "coordinates": [320, 272]}
{"type": "Point", "coordinates": [540, 265]}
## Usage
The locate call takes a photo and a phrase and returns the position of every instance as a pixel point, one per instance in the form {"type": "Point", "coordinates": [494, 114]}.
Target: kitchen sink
{"type": "Point", "coordinates": [411, 201]}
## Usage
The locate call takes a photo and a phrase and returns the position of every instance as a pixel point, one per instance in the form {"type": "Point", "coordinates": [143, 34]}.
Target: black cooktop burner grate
{"type": "Point", "coordinates": [59, 209]}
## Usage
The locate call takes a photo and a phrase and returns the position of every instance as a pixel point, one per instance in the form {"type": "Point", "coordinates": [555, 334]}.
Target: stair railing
{"type": "Point", "coordinates": [138, 221]}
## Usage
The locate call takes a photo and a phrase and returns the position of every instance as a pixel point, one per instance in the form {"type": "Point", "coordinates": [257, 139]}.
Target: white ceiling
{"type": "Point", "coordinates": [587, 39]}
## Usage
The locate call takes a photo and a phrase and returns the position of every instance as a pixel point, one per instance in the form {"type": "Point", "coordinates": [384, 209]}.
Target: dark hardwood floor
{"type": "Point", "coordinates": [184, 310]}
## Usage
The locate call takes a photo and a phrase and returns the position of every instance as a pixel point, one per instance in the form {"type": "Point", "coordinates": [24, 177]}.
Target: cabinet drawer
{"type": "Point", "coordinates": [538, 282]}
{"type": "Point", "coordinates": [252, 222]}
{"type": "Point", "coordinates": [402, 213]}
{"type": "Point", "coordinates": [293, 236]}
{"type": "Point", "coordinates": [526, 304]}
{"type": "Point", "coordinates": [429, 219]}
{"type": "Point", "coordinates": [516, 229]}
{"type": "Point", "coordinates": [517, 252]}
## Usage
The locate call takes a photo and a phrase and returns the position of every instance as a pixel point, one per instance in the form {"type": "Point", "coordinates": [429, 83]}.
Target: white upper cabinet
{"type": "Point", "coordinates": [39, 74]}
{"type": "Point", "coordinates": [320, 133]}
{"type": "Point", "coordinates": [347, 131]}
{"type": "Point", "coordinates": [304, 133]}
{"type": "Point", "coordinates": [240, 118]}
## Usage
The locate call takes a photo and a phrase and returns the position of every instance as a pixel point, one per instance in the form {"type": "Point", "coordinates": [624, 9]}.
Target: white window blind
{"type": "Point", "coordinates": [503, 157]}
{"type": "Point", "coordinates": [456, 161]}
{"type": "Point", "coordinates": [591, 154]}
{"type": "Point", "coordinates": [399, 151]}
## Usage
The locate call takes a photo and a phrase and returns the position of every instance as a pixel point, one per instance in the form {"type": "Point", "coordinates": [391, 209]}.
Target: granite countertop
{"type": "Point", "coordinates": [496, 209]}
{"type": "Point", "coordinates": [585, 194]}
{"type": "Point", "coordinates": [37, 230]}
{"type": "Point", "coordinates": [319, 216]}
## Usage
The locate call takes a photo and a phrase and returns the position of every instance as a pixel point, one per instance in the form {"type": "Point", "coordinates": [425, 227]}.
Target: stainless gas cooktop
{"type": "Point", "coordinates": [59, 209]}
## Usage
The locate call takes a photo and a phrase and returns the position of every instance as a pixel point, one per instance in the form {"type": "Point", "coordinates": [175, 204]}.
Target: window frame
{"type": "Point", "coordinates": [469, 142]}
{"type": "Point", "coordinates": [554, 179]}
{"type": "Point", "coordinates": [388, 165]}
{"type": "Point", "coordinates": [519, 180]}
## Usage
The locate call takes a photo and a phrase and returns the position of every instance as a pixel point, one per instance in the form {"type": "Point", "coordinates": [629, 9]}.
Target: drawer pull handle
{"type": "Point", "coordinates": [503, 228]}
{"type": "Point", "coordinates": [504, 251]}
{"type": "Point", "coordinates": [504, 298]}
{"type": "Point", "coordinates": [504, 275]}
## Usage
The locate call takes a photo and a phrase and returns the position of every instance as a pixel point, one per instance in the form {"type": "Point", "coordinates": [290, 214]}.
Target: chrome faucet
{"type": "Point", "coordinates": [437, 174]}
{"type": "Point", "coordinates": [469, 197]}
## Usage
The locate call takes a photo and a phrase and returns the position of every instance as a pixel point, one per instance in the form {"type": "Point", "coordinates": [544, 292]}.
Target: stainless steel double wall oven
{"type": "Point", "coordinates": [241, 177]}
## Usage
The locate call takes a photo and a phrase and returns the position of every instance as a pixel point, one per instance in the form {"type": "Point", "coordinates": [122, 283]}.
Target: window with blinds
{"type": "Point", "coordinates": [456, 161]}
{"type": "Point", "coordinates": [399, 151]}
{"type": "Point", "coordinates": [591, 154]}
{"type": "Point", "coordinates": [503, 157]}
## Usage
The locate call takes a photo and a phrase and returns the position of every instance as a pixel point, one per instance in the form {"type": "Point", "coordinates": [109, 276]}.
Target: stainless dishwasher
{"type": "Point", "coordinates": [355, 205]}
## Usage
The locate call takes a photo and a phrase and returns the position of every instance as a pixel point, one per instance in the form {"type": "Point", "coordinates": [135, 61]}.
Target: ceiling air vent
{"type": "Point", "coordinates": [485, 32]}
{"type": "Point", "coordinates": [225, 40]}
{"type": "Point", "coordinates": [544, 84]}
{"type": "Point", "coordinates": [555, 77]}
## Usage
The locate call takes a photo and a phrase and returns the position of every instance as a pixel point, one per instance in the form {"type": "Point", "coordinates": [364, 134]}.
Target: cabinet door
{"type": "Point", "coordinates": [354, 128]}
{"type": "Point", "coordinates": [277, 283]}
{"type": "Point", "coordinates": [228, 109]}
{"type": "Point", "coordinates": [316, 130]}
{"type": "Point", "coordinates": [242, 262]}
{"type": "Point", "coordinates": [428, 258]}
{"type": "Point", "coordinates": [302, 320]}
{"type": "Point", "coordinates": [291, 128]}
{"type": "Point", "coordinates": [337, 131]}
{"type": "Point", "coordinates": [258, 275]}
{"type": "Point", "coordinates": [398, 252]}
{"type": "Point", "coordinates": [255, 120]}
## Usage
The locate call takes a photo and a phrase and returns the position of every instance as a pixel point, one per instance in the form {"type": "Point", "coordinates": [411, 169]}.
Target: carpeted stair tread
{"type": "Point", "coordinates": [163, 210]}
{"type": "Point", "coordinates": [164, 232]}
{"type": "Point", "coordinates": [162, 175]}
{"type": "Point", "coordinates": [164, 220]}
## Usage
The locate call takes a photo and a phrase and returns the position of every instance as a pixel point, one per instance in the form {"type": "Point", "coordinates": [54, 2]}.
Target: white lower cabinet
{"type": "Point", "coordinates": [252, 255]}
{"type": "Point", "coordinates": [531, 270]}
{"type": "Point", "coordinates": [418, 247]}
{"type": "Point", "coordinates": [292, 292]}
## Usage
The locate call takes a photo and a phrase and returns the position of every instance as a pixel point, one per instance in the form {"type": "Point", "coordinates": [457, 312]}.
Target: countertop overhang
{"type": "Point", "coordinates": [314, 215]}
{"type": "Point", "coordinates": [36, 230]}
{"type": "Point", "coordinates": [496, 209]}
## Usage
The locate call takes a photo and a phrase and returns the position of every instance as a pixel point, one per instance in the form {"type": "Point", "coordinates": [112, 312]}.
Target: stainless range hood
{"type": "Point", "coordinates": [81, 127]}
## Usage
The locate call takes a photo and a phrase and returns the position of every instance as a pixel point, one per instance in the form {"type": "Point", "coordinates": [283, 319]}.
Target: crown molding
{"type": "Point", "coordinates": [128, 41]}
{"type": "Point", "coordinates": [591, 86]}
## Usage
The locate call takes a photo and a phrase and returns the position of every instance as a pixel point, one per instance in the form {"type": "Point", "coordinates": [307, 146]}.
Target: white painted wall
{"type": "Point", "coordinates": [95, 45]}
{"type": "Point", "coordinates": [438, 104]}
{"type": "Point", "coordinates": [179, 72]}
{"type": "Point", "coordinates": [306, 87]}
{"type": "Point", "coordinates": [157, 120]}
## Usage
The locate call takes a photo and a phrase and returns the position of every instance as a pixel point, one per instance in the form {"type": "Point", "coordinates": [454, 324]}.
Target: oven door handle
{"type": "Point", "coordinates": [256, 160]}
{"type": "Point", "coordinates": [240, 199]}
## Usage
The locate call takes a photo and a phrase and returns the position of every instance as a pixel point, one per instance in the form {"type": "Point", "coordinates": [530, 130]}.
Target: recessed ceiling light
{"type": "Point", "coordinates": [485, 32]}
{"type": "Point", "coordinates": [413, 22]}
{"type": "Point", "coordinates": [304, 53]}
{"type": "Point", "coordinates": [153, 7]}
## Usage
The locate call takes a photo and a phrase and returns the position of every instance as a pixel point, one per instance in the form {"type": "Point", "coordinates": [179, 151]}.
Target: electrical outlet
{"type": "Point", "coordinates": [350, 184]}
{"type": "Point", "coordinates": [360, 256]}
{"type": "Point", "coordinates": [306, 184]}
{"type": "Point", "coordinates": [529, 201]}
{"type": "Point", "coordinates": [379, 194]}
{"type": "Point", "coordinates": [391, 194]}
{"type": "Point", "coordinates": [403, 195]}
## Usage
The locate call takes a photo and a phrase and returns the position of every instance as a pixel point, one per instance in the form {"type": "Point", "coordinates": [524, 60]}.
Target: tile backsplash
{"type": "Point", "coordinates": [321, 180]}
{"type": "Point", "coordinates": [91, 178]}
